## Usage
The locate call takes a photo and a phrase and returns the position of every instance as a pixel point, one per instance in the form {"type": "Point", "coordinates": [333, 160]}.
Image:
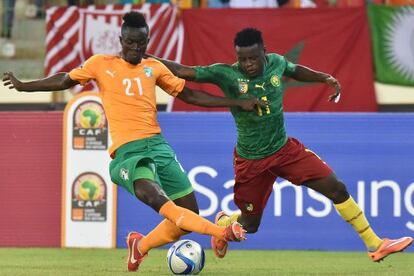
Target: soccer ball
{"type": "Point", "coordinates": [185, 257]}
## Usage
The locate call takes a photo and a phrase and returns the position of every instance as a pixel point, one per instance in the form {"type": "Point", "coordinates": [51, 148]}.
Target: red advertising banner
{"type": "Point", "coordinates": [335, 41]}
{"type": "Point", "coordinates": [31, 176]}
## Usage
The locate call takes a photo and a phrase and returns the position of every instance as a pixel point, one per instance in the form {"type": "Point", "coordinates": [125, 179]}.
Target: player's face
{"type": "Point", "coordinates": [251, 59]}
{"type": "Point", "coordinates": [134, 43]}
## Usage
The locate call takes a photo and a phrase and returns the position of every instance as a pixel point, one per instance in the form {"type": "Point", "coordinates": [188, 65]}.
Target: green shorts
{"type": "Point", "coordinates": [169, 174]}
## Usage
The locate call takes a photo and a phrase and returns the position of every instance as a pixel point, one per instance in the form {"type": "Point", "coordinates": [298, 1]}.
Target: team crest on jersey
{"type": "Point", "coordinates": [275, 81]}
{"type": "Point", "coordinates": [148, 71]}
{"type": "Point", "coordinates": [243, 85]}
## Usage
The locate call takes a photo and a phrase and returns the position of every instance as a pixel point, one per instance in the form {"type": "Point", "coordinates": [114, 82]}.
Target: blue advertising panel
{"type": "Point", "coordinates": [371, 153]}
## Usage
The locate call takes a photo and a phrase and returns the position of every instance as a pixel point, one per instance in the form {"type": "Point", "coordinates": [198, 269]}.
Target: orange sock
{"type": "Point", "coordinates": [164, 233]}
{"type": "Point", "coordinates": [190, 221]}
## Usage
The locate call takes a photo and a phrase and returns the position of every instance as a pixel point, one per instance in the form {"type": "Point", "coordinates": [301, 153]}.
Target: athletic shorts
{"type": "Point", "coordinates": [255, 177]}
{"type": "Point", "coordinates": [154, 151]}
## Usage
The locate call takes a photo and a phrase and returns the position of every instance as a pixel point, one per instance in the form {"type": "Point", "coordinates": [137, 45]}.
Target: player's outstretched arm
{"type": "Point", "coordinates": [180, 70]}
{"type": "Point", "coordinates": [303, 73]}
{"type": "Point", "coordinates": [201, 98]}
{"type": "Point", "coordinates": [57, 82]}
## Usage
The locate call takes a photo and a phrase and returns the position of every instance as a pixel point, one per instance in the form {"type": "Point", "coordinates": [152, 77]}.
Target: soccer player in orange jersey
{"type": "Point", "coordinates": [143, 162]}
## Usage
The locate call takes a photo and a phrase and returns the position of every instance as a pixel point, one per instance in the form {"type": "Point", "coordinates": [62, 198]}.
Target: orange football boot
{"type": "Point", "coordinates": [135, 258]}
{"type": "Point", "coordinates": [388, 247]}
{"type": "Point", "coordinates": [233, 232]}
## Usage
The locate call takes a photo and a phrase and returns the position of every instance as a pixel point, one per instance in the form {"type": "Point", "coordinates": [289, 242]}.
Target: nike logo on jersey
{"type": "Point", "coordinates": [260, 86]}
{"type": "Point", "coordinates": [112, 74]}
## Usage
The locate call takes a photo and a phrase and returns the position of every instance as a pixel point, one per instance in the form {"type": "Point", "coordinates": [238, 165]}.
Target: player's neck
{"type": "Point", "coordinates": [263, 68]}
{"type": "Point", "coordinates": [264, 65]}
{"type": "Point", "coordinates": [121, 55]}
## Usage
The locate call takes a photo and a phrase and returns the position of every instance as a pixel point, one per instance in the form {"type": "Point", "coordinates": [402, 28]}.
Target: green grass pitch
{"type": "Point", "coordinates": [89, 262]}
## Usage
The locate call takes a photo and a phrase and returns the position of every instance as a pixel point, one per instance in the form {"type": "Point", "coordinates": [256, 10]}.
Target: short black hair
{"type": "Point", "coordinates": [248, 37]}
{"type": "Point", "coordinates": [134, 20]}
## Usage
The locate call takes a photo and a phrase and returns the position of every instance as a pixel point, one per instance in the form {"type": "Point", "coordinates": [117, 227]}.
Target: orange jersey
{"type": "Point", "coordinates": [128, 94]}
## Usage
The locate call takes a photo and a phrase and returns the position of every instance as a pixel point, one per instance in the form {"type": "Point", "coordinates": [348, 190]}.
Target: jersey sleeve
{"type": "Point", "coordinates": [170, 83]}
{"type": "Point", "coordinates": [290, 68]}
{"type": "Point", "coordinates": [212, 73]}
{"type": "Point", "coordinates": [86, 72]}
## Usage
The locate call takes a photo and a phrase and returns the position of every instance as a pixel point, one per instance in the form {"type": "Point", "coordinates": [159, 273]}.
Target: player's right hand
{"type": "Point", "coordinates": [10, 81]}
{"type": "Point", "coordinates": [250, 104]}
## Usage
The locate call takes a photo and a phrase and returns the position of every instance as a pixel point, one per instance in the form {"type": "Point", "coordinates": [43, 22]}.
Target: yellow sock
{"type": "Point", "coordinates": [351, 212]}
{"type": "Point", "coordinates": [227, 220]}
{"type": "Point", "coordinates": [164, 233]}
{"type": "Point", "coordinates": [190, 221]}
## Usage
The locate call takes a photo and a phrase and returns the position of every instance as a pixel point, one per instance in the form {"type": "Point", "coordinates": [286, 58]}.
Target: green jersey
{"type": "Point", "coordinates": [259, 133]}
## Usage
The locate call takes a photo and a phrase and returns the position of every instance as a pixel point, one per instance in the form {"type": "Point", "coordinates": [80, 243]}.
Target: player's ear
{"type": "Point", "coordinates": [264, 49]}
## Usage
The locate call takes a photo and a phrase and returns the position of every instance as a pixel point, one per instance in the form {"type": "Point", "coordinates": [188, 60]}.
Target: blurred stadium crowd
{"type": "Point", "coordinates": [23, 35]}
{"type": "Point", "coordinates": [15, 13]}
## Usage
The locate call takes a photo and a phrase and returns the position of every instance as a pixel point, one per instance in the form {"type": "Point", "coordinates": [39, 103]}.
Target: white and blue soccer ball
{"type": "Point", "coordinates": [186, 257]}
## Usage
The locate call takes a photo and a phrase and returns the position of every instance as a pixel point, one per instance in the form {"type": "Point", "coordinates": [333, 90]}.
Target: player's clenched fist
{"type": "Point", "coordinates": [10, 81]}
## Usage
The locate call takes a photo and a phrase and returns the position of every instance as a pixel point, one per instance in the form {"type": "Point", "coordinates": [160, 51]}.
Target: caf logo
{"type": "Point", "coordinates": [89, 198]}
{"type": "Point", "coordinates": [90, 115]}
{"type": "Point", "coordinates": [89, 186]}
{"type": "Point", "coordinates": [89, 190]}
{"type": "Point", "coordinates": [90, 127]}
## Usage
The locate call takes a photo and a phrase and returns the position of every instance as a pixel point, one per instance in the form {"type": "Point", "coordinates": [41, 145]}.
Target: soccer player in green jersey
{"type": "Point", "coordinates": [264, 151]}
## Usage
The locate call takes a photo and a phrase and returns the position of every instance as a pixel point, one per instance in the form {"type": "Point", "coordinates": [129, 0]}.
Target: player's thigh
{"type": "Point", "coordinates": [123, 169]}
{"type": "Point", "coordinates": [251, 196]}
{"type": "Point", "coordinates": [301, 165]}
{"type": "Point", "coordinates": [172, 176]}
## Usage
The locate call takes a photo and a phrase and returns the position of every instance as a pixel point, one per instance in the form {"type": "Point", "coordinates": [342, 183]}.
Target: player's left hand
{"type": "Point", "coordinates": [10, 81]}
{"type": "Point", "coordinates": [250, 104]}
{"type": "Point", "coordinates": [331, 81]}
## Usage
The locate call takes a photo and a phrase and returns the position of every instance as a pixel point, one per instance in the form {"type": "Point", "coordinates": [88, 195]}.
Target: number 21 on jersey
{"type": "Point", "coordinates": [128, 84]}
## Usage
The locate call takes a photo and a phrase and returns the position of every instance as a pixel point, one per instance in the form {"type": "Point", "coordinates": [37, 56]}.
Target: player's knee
{"type": "Point", "coordinates": [146, 197]}
{"type": "Point", "coordinates": [147, 192]}
{"type": "Point", "coordinates": [339, 193]}
{"type": "Point", "coordinates": [251, 228]}
{"type": "Point", "coordinates": [194, 209]}
{"type": "Point", "coordinates": [189, 202]}
{"type": "Point", "coordinates": [250, 222]}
